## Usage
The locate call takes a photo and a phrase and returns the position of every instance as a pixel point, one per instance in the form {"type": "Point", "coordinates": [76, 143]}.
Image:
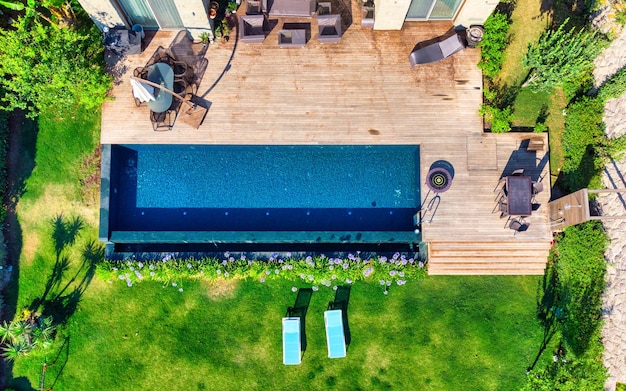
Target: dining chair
{"type": "Point", "coordinates": [518, 226]}
{"type": "Point", "coordinates": [161, 121]}
{"type": "Point", "coordinates": [537, 188]}
{"type": "Point", "coordinates": [518, 172]}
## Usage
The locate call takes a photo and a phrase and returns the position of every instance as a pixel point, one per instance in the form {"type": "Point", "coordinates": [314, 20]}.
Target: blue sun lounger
{"type": "Point", "coordinates": [291, 341]}
{"type": "Point", "coordinates": [334, 334]}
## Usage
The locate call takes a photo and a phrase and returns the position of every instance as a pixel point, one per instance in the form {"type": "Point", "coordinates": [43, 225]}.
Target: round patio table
{"type": "Point", "coordinates": [162, 74]}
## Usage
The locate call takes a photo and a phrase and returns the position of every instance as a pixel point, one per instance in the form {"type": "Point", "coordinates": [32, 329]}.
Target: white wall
{"type": "Point", "coordinates": [475, 12]}
{"type": "Point", "coordinates": [103, 13]}
{"type": "Point", "coordinates": [390, 14]}
{"type": "Point", "coordinates": [194, 15]}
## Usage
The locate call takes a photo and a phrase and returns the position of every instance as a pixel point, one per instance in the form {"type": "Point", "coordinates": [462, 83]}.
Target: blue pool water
{"type": "Point", "coordinates": [263, 188]}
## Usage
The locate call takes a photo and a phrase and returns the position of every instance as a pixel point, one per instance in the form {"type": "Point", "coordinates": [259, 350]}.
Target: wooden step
{"type": "Point", "coordinates": [491, 245]}
{"type": "Point", "coordinates": [488, 258]}
{"type": "Point", "coordinates": [489, 253]}
{"type": "Point", "coordinates": [487, 272]}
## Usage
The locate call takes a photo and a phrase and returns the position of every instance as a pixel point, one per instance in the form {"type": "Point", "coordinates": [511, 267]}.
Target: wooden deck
{"type": "Point", "coordinates": [361, 90]}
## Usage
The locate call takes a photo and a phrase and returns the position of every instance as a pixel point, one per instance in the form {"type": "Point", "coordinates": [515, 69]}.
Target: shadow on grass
{"type": "Point", "coordinates": [342, 298]}
{"type": "Point", "coordinates": [20, 162]}
{"type": "Point", "coordinates": [60, 298]}
{"type": "Point", "coordinates": [546, 303]}
{"type": "Point", "coordinates": [299, 309]}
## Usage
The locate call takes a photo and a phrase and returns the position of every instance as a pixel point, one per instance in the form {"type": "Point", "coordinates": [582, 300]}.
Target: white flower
{"type": "Point", "coordinates": [335, 287]}
{"type": "Point", "coordinates": [226, 274]}
{"type": "Point", "coordinates": [315, 288]}
{"type": "Point", "coordinates": [151, 274]}
{"type": "Point", "coordinates": [174, 284]}
{"type": "Point", "coordinates": [386, 291]}
{"type": "Point", "coordinates": [180, 289]}
{"type": "Point", "coordinates": [294, 289]}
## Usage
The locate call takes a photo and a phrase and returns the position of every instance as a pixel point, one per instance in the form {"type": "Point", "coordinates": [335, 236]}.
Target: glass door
{"type": "Point", "coordinates": [139, 13]}
{"type": "Point", "coordinates": [166, 14]}
{"type": "Point", "coordinates": [432, 9]}
{"type": "Point", "coordinates": [152, 14]}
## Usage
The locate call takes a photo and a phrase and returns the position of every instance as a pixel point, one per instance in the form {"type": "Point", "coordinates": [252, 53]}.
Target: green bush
{"type": "Point", "coordinates": [581, 269]}
{"type": "Point", "coordinates": [500, 119]}
{"type": "Point", "coordinates": [45, 66]}
{"type": "Point", "coordinates": [614, 87]}
{"type": "Point", "coordinates": [584, 144]}
{"type": "Point", "coordinates": [493, 44]}
{"type": "Point", "coordinates": [578, 269]}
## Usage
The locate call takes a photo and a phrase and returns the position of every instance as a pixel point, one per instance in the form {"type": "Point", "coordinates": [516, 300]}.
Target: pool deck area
{"type": "Point", "coordinates": [362, 90]}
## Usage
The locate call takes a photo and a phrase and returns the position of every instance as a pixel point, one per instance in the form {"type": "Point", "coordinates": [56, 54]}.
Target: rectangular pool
{"type": "Point", "coordinates": [259, 193]}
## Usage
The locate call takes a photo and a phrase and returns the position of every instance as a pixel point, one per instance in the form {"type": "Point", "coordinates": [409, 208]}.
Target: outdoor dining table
{"type": "Point", "coordinates": [519, 191]}
{"type": "Point", "coordinates": [162, 74]}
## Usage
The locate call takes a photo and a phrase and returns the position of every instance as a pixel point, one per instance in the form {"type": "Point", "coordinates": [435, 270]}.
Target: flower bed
{"type": "Point", "coordinates": [315, 271]}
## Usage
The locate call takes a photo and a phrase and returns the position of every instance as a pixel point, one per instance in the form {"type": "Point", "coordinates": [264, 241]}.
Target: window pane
{"type": "Point", "coordinates": [139, 13]}
{"type": "Point", "coordinates": [166, 13]}
{"type": "Point", "coordinates": [444, 9]}
{"type": "Point", "coordinates": [419, 9]}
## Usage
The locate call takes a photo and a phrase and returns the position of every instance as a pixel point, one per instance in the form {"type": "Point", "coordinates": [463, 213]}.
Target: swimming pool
{"type": "Point", "coordinates": [260, 193]}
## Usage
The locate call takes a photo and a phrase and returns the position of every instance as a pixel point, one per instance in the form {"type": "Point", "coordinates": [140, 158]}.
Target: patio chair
{"type": "Point", "coordinates": [335, 337]}
{"type": "Point", "coordinates": [437, 51]}
{"type": "Point", "coordinates": [537, 188]}
{"type": "Point", "coordinates": [252, 28]}
{"type": "Point", "coordinates": [291, 341]}
{"type": "Point", "coordinates": [329, 28]}
{"type": "Point", "coordinates": [518, 226]}
{"type": "Point", "coordinates": [161, 121]}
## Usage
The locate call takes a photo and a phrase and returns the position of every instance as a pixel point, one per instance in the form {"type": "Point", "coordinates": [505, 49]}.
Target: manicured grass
{"type": "Point", "coordinates": [441, 333]}
{"type": "Point", "coordinates": [528, 22]}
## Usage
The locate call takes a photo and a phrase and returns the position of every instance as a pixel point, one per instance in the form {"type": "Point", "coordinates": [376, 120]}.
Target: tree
{"type": "Point", "coordinates": [559, 56]}
{"type": "Point", "coordinates": [45, 66]}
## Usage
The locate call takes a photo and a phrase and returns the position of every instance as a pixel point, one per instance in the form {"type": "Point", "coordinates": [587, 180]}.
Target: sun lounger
{"type": "Point", "coordinates": [437, 51]}
{"type": "Point", "coordinates": [291, 341]}
{"type": "Point", "coordinates": [334, 334]}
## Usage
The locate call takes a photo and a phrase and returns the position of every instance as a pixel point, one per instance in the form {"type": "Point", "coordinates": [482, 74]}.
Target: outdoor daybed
{"type": "Point", "coordinates": [437, 51]}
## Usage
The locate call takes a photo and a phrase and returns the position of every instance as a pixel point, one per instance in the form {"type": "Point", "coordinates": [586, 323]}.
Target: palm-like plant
{"type": "Point", "coordinates": [14, 350]}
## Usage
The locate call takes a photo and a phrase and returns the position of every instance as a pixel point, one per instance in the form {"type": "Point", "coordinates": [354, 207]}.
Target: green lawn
{"type": "Point", "coordinates": [438, 333]}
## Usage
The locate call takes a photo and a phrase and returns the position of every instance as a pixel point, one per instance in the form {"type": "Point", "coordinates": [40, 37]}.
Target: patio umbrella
{"type": "Point", "coordinates": [142, 91]}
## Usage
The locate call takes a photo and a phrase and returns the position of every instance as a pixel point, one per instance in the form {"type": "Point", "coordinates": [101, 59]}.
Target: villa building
{"type": "Point", "coordinates": [193, 14]}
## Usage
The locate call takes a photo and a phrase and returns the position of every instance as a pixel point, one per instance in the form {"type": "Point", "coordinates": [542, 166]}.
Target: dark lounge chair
{"type": "Point", "coordinates": [437, 51]}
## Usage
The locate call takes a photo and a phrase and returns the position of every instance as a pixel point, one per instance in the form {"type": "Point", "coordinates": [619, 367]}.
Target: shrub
{"type": "Point", "coordinates": [493, 44]}
{"type": "Point", "coordinates": [614, 87]}
{"type": "Point", "coordinates": [45, 66]}
{"type": "Point", "coordinates": [320, 270]}
{"type": "Point", "coordinates": [584, 144]}
{"type": "Point", "coordinates": [579, 270]}
{"type": "Point", "coordinates": [500, 119]}
{"type": "Point", "coordinates": [540, 128]}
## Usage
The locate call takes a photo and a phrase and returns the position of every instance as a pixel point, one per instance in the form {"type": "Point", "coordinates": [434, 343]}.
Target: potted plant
{"type": "Point", "coordinates": [204, 38]}
{"type": "Point", "coordinates": [225, 29]}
